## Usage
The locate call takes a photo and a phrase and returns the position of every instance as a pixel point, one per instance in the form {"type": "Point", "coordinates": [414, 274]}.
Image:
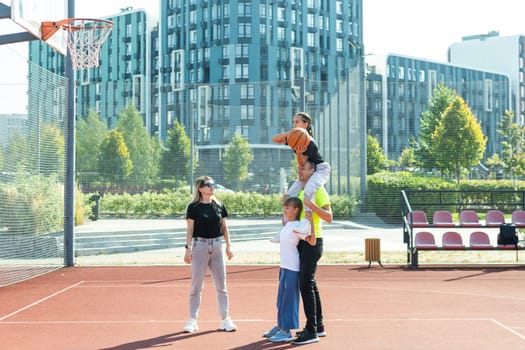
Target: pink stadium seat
{"type": "Point", "coordinates": [419, 217]}
{"type": "Point", "coordinates": [480, 240]}
{"type": "Point", "coordinates": [494, 218]}
{"type": "Point", "coordinates": [452, 240]}
{"type": "Point", "coordinates": [442, 218]}
{"type": "Point", "coordinates": [469, 218]}
{"type": "Point", "coordinates": [425, 241]}
{"type": "Point", "coordinates": [518, 218]}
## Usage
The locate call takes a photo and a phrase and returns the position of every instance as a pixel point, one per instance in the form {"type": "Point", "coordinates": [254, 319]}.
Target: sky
{"type": "Point", "coordinates": [418, 28]}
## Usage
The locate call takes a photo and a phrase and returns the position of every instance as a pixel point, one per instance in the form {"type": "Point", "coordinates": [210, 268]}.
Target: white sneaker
{"type": "Point", "coordinates": [227, 325]}
{"type": "Point", "coordinates": [191, 326]}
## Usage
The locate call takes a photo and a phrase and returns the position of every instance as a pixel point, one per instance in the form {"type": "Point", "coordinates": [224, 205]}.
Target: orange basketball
{"type": "Point", "coordinates": [298, 137]}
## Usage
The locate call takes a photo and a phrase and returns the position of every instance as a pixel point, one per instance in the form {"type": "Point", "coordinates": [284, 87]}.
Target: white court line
{"type": "Point", "coordinates": [507, 328]}
{"type": "Point", "coordinates": [40, 301]}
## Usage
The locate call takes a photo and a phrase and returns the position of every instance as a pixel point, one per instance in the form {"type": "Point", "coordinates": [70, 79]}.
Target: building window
{"type": "Point", "coordinates": [262, 10]}
{"type": "Point", "coordinates": [138, 92]}
{"type": "Point", "coordinates": [245, 30]}
{"type": "Point", "coordinates": [247, 91]}
{"type": "Point", "coordinates": [241, 51]}
{"type": "Point", "coordinates": [432, 82]}
{"type": "Point", "coordinates": [401, 73]}
{"type": "Point", "coordinates": [241, 71]}
{"type": "Point", "coordinates": [281, 33]}
{"type": "Point", "coordinates": [246, 112]}
{"type": "Point", "coordinates": [338, 7]}
{"type": "Point", "coordinates": [262, 30]}
{"type": "Point", "coordinates": [339, 44]}
{"type": "Point", "coordinates": [281, 14]}
{"type": "Point", "coordinates": [339, 26]}
{"type": "Point", "coordinates": [244, 9]}
{"type": "Point", "coordinates": [311, 20]}
{"type": "Point", "coordinates": [242, 130]}
{"type": "Point", "coordinates": [311, 39]}
{"type": "Point", "coordinates": [488, 95]}
{"type": "Point", "coordinates": [226, 72]}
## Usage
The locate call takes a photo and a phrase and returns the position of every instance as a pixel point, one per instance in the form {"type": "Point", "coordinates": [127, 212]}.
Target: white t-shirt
{"type": "Point", "coordinates": [288, 246]}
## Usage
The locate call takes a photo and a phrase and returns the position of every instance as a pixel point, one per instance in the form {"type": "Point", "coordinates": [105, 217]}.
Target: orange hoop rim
{"type": "Point", "coordinates": [49, 28]}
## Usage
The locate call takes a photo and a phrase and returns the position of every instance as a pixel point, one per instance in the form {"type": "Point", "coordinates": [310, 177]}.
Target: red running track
{"type": "Point", "coordinates": [124, 308]}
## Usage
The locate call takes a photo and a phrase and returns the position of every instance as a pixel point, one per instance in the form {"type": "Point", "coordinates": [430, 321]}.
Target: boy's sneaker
{"type": "Point", "coordinates": [320, 332]}
{"type": "Point", "coordinates": [227, 325]}
{"type": "Point", "coordinates": [281, 337]}
{"type": "Point", "coordinates": [306, 338]}
{"type": "Point", "coordinates": [191, 326]}
{"type": "Point", "coordinates": [271, 332]}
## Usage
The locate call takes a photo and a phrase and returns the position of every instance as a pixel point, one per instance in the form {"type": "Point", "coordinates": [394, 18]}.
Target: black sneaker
{"type": "Point", "coordinates": [306, 338]}
{"type": "Point", "coordinates": [320, 332]}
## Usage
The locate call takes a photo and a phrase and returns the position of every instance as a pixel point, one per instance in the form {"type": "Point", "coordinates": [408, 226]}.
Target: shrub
{"type": "Point", "coordinates": [32, 204]}
{"type": "Point", "coordinates": [173, 203]}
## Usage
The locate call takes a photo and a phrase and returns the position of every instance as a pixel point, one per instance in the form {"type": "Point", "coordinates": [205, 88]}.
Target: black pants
{"type": "Point", "coordinates": [309, 256]}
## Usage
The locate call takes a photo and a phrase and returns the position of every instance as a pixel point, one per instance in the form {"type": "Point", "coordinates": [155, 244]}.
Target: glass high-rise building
{"type": "Point", "coordinates": [227, 67]}
{"type": "Point", "coordinates": [245, 67]}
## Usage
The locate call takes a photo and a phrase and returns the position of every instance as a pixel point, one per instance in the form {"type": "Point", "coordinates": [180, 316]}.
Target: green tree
{"type": "Point", "coordinates": [16, 152]}
{"type": "Point", "coordinates": [458, 142]}
{"type": "Point", "coordinates": [237, 158]}
{"type": "Point", "coordinates": [407, 159]}
{"type": "Point", "coordinates": [375, 157]}
{"type": "Point", "coordinates": [90, 132]}
{"type": "Point", "coordinates": [512, 146]}
{"type": "Point", "coordinates": [144, 151]}
{"type": "Point", "coordinates": [114, 162]}
{"type": "Point", "coordinates": [441, 98]}
{"type": "Point", "coordinates": [175, 162]}
{"type": "Point", "coordinates": [51, 151]}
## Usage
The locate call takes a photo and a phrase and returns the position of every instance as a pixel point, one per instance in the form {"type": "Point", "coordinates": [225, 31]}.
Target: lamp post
{"type": "Point", "coordinates": [192, 144]}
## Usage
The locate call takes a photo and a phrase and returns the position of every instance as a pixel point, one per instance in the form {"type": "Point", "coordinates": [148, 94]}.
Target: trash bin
{"type": "Point", "coordinates": [94, 201]}
{"type": "Point", "coordinates": [373, 250]}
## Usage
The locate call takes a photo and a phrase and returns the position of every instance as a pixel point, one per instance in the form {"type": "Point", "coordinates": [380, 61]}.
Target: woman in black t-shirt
{"type": "Point", "coordinates": [206, 229]}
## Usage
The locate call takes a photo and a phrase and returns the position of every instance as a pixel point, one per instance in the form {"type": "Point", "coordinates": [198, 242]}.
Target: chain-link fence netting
{"type": "Point", "coordinates": [31, 180]}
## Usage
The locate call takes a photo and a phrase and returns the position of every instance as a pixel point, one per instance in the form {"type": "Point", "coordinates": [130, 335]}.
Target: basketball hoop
{"type": "Point", "coordinates": [83, 36]}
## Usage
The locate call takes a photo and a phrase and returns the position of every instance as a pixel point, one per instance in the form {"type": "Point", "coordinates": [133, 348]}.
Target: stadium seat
{"type": "Point", "coordinates": [494, 218]}
{"type": "Point", "coordinates": [419, 217]}
{"type": "Point", "coordinates": [518, 218]}
{"type": "Point", "coordinates": [425, 241]}
{"type": "Point", "coordinates": [452, 240]}
{"type": "Point", "coordinates": [469, 218]}
{"type": "Point", "coordinates": [480, 240]}
{"type": "Point", "coordinates": [442, 218]}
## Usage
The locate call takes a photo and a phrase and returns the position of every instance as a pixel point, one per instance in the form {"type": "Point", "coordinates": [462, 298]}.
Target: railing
{"type": "Point", "coordinates": [454, 201]}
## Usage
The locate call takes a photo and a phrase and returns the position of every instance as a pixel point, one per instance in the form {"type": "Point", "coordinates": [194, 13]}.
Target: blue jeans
{"type": "Point", "coordinates": [288, 299]}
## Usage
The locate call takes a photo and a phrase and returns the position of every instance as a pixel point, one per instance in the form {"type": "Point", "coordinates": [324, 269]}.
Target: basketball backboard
{"type": "Point", "coordinates": [29, 14]}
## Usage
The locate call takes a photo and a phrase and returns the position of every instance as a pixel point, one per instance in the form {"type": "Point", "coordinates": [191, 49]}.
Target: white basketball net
{"type": "Point", "coordinates": [84, 38]}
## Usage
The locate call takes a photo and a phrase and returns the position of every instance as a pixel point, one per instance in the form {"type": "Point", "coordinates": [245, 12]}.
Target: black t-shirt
{"type": "Point", "coordinates": [312, 152]}
{"type": "Point", "coordinates": [207, 218]}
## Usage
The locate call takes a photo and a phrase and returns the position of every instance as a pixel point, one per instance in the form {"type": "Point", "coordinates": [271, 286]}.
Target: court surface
{"type": "Point", "coordinates": [124, 308]}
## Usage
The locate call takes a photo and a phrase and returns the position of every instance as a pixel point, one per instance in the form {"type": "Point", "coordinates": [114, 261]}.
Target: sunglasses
{"type": "Point", "coordinates": [209, 185]}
